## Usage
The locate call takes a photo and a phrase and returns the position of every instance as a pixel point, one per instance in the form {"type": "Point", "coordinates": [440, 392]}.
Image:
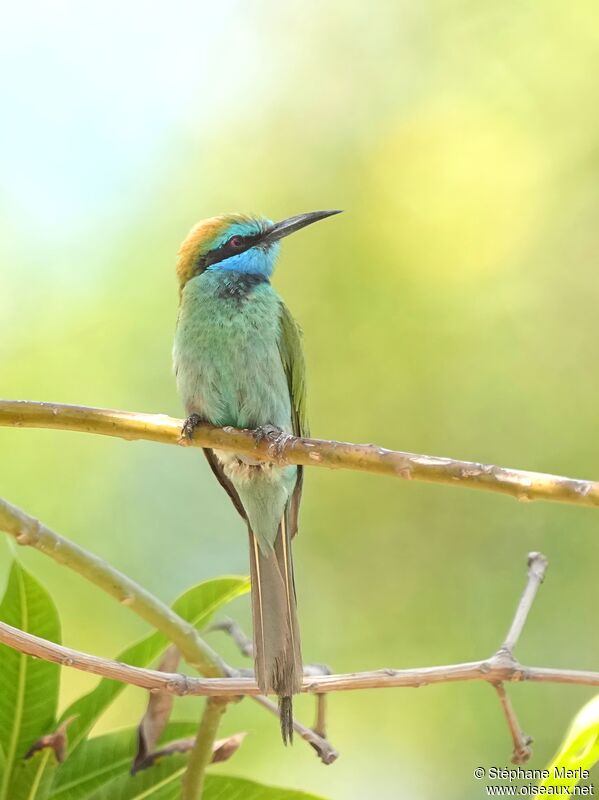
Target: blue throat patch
{"type": "Point", "coordinates": [257, 260]}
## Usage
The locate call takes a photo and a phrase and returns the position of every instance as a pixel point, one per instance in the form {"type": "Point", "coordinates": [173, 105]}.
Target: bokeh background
{"type": "Point", "coordinates": [451, 310]}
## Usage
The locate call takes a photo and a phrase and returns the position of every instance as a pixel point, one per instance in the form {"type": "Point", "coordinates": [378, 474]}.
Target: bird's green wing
{"type": "Point", "coordinates": [292, 356]}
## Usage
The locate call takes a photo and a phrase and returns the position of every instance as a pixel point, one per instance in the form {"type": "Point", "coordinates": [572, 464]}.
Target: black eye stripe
{"type": "Point", "coordinates": [226, 250]}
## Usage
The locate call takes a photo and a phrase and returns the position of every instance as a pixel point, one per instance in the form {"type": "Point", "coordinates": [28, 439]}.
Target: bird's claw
{"type": "Point", "coordinates": [189, 426]}
{"type": "Point", "coordinates": [268, 432]}
{"type": "Point", "coordinates": [276, 438]}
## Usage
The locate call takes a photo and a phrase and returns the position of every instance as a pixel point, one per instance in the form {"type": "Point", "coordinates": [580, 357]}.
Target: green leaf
{"type": "Point", "coordinates": [160, 782]}
{"type": "Point", "coordinates": [103, 758]}
{"type": "Point", "coordinates": [32, 778]}
{"type": "Point", "coordinates": [221, 787]}
{"type": "Point", "coordinates": [196, 606]}
{"type": "Point", "coordinates": [579, 750]}
{"type": "Point", "coordinates": [163, 782]}
{"type": "Point", "coordinates": [29, 693]}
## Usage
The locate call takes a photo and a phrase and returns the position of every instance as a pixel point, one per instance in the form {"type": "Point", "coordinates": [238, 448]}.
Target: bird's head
{"type": "Point", "coordinates": [237, 242]}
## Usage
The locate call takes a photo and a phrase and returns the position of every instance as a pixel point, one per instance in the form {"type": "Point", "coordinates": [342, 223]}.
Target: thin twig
{"type": "Point", "coordinates": [501, 667]}
{"type": "Point", "coordinates": [522, 742]}
{"type": "Point", "coordinates": [246, 647]}
{"type": "Point", "coordinates": [29, 531]}
{"type": "Point", "coordinates": [201, 753]}
{"type": "Point", "coordinates": [537, 567]}
{"type": "Point", "coordinates": [237, 634]}
{"type": "Point", "coordinates": [522, 484]}
{"type": "Point", "coordinates": [498, 668]}
{"type": "Point", "coordinates": [324, 749]}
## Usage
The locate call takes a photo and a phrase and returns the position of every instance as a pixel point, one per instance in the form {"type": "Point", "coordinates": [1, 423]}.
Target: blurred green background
{"type": "Point", "coordinates": [451, 310]}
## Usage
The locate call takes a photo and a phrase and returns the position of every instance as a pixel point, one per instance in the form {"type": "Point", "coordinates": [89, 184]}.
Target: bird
{"type": "Point", "coordinates": [238, 361]}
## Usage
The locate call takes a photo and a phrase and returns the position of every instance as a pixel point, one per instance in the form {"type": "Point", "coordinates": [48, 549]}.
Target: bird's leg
{"type": "Point", "coordinates": [189, 426]}
{"type": "Point", "coordinates": [276, 438]}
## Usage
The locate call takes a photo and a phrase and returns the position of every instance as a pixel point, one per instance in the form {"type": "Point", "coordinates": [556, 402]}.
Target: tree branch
{"type": "Point", "coordinates": [129, 425]}
{"type": "Point", "coordinates": [501, 667]}
{"type": "Point", "coordinates": [522, 742]}
{"type": "Point", "coordinates": [537, 567]}
{"type": "Point", "coordinates": [28, 531]}
{"type": "Point", "coordinates": [496, 669]}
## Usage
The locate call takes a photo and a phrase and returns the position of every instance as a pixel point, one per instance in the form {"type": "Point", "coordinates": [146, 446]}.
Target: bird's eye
{"type": "Point", "coordinates": [236, 242]}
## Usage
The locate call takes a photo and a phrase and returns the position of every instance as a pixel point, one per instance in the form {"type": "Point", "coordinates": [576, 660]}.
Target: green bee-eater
{"type": "Point", "coordinates": [238, 361]}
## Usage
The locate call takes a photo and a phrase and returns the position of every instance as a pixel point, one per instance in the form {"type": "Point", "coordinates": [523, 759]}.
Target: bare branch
{"type": "Point", "coordinates": [537, 566]}
{"type": "Point", "coordinates": [236, 632]}
{"type": "Point", "coordinates": [246, 648]}
{"type": "Point", "coordinates": [130, 425]}
{"type": "Point", "coordinates": [522, 742]}
{"type": "Point", "coordinates": [325, 751]}
{"type": "Point", "coordinates": [501, 667]}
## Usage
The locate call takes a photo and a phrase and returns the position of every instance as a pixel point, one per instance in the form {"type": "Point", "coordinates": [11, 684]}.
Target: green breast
{"type": "Point", "coordinates": [226, 353]}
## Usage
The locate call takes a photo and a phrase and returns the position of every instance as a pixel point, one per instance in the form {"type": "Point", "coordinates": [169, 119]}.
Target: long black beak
{"type": "Point", "coordinates": [293, 224]}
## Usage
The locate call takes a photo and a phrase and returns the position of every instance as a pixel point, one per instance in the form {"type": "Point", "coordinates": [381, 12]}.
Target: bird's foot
{"type": "Point", "coordinates": [276, 438]}
{"type": "Point", "coordinates": [189, 426]}
{"type": "Point", "coordinates": [266, 432]}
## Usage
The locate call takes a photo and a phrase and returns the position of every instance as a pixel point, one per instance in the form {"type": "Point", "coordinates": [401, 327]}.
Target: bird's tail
{"type": "Point", "coordinates": [277, 651]}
